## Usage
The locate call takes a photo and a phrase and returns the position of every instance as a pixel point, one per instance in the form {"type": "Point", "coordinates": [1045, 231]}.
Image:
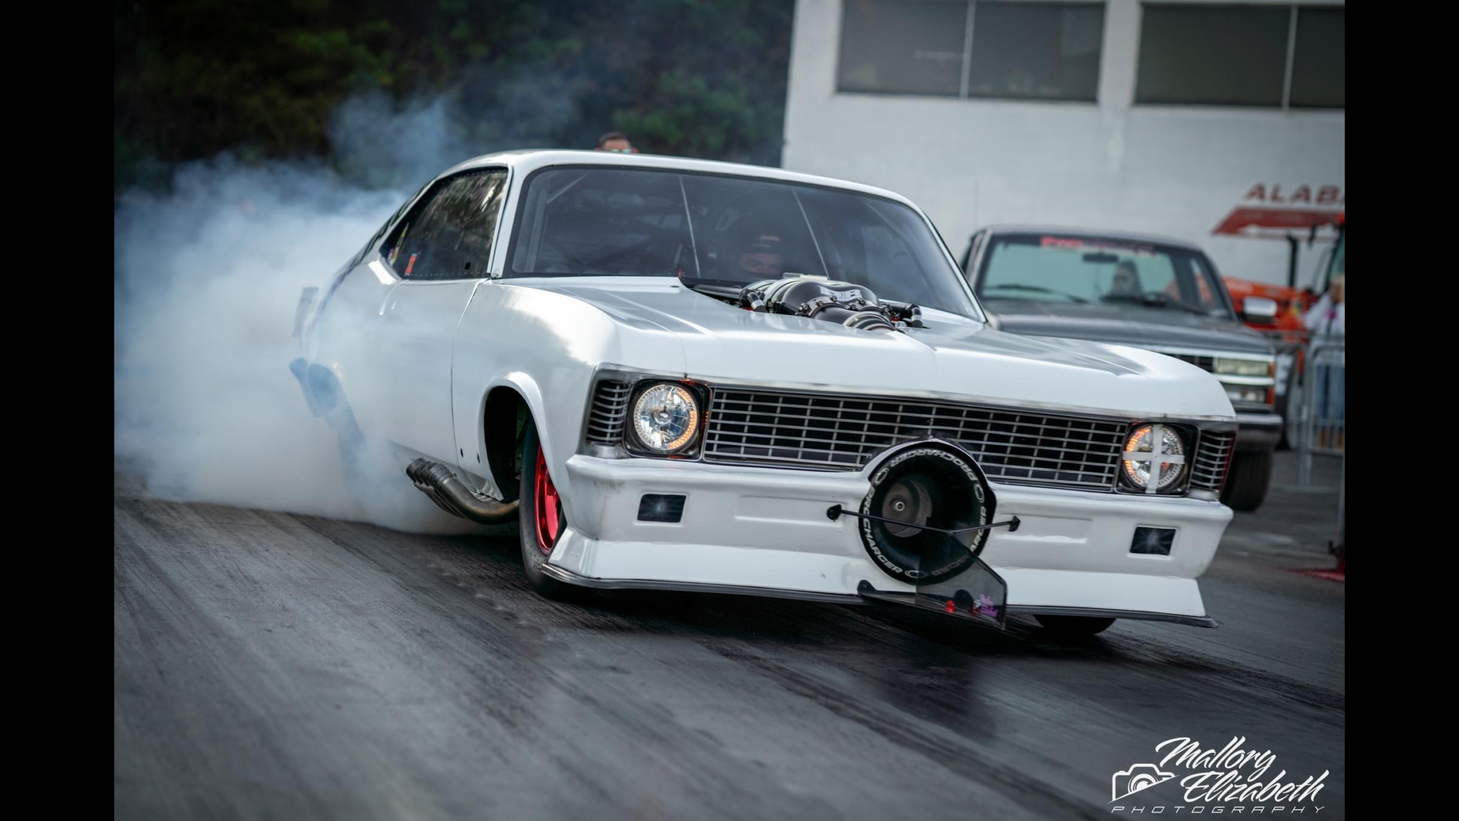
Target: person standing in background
{"type": "Point", "coordinates": [617, 142]}
{"type": "Point", "coordinates": [1328, 321]}
{"type": "Point", "coordinates": [1327, 316]}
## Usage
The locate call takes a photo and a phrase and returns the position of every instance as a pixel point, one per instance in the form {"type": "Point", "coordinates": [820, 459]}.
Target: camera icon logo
{"type": "Point", "coordinates": [1138, 777]}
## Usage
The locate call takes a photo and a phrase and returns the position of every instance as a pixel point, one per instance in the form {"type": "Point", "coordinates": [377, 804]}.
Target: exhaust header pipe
{"type": "Point", "coordinates": [453, 496]}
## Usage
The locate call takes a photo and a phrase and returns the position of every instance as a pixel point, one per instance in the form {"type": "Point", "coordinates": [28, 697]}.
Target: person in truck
{"type": "Point", "coordinates": [1126, 279]}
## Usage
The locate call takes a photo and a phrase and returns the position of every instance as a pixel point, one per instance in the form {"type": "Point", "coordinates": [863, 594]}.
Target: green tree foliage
{"type": "Point", "coordinates": [265, 78]}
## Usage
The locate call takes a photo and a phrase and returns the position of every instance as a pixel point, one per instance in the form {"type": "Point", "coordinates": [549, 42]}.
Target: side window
{"type": "Point", "coordinates": [449, 235]}
{"type": "Point", "coordinates": [364, 252]}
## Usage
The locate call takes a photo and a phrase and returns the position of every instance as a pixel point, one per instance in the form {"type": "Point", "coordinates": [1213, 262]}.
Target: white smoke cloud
{"type": "Point", "coordinates": [207, 278]}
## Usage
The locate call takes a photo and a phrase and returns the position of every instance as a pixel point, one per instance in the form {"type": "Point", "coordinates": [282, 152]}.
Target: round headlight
{"type": "Point", "coordinates": [1142, 441]}
{"type": "Point", "coordinates": [666, 418]}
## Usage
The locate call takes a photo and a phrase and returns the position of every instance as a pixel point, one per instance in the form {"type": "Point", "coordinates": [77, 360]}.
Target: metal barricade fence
{"type": "Point", "coordinates": [1323, 423]}
{"type": "Point", "coordinates": [1322, 418]}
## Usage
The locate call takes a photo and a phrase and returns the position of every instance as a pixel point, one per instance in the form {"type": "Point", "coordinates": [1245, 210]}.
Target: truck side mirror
{"type": "Point", "coordinates": [1259, 309]}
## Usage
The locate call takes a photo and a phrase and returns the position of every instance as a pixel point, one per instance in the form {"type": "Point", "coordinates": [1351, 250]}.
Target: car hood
{"type": "Point", "coordinates": [954, 358]}
{"type": "Point", "coordinates": [1126, 325]}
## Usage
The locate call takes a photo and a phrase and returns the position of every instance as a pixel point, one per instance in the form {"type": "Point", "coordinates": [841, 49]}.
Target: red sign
{"type": "Point", "coordinates": [1272, 211]}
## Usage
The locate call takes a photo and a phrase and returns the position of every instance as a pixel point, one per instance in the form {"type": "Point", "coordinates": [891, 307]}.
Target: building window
{"type": "Point", "coordinates": [1036, 51]}
{"type": "Point", "coordinates": [1317, 61]}
{"type": "Point", "coordinates": [972, 48]}
{"type": "Point", "coordinates": [899, 47]}
{"type": "Point", "coordinates": [1269, 56]}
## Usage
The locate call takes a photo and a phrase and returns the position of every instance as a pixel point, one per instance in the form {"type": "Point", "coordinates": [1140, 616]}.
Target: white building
{"type": "Point", "coordinates": [1169, 117]}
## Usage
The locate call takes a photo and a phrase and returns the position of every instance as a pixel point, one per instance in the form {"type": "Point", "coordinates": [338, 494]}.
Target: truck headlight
{"type": "Point", "coordinates": [1141, 441]}
{"type": "Point", "coordinates": [665, 418]}
{"type": "Point", "coordinates": [1243, 367]}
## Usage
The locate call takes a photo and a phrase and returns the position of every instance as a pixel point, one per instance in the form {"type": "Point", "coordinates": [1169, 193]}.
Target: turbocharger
{"type": "Point", "coordinates": [843, 303]}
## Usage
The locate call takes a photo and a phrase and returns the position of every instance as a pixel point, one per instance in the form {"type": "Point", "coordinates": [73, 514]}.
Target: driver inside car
{"type": "Point", "coordinates": [1126, 280]}
{"type": "Point", "coordinates": [761, 257]}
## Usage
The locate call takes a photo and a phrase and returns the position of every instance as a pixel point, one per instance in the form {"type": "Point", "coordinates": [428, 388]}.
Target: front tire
{"type": "Point", "coordinates": [1246, 485]}
{"type": "Point", "coordinates": [1074, 627]}
{"type": "Point", "coordinates": [541, 519]}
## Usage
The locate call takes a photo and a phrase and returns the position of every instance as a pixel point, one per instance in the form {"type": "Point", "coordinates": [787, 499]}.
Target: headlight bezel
{"type": "Point", "coordinates": [1180, 484]}
{"type": "Point", "coordinates": [698, 398]}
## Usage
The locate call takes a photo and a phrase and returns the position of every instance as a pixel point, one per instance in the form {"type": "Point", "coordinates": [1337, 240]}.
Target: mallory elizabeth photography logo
{"type": "Point", "coordinates": [1231, 779]}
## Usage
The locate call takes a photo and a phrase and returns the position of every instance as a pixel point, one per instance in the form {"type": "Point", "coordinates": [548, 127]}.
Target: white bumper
{"type": "Point", "coordinates": [765, 530]}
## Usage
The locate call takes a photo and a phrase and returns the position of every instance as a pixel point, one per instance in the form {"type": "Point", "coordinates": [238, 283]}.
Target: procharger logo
{"type": "Point", "coordinates": [1229, 780]}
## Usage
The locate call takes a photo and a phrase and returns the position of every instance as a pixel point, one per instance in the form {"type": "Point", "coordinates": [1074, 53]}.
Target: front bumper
{"type": "Point", "coordinates": [1258, 431]}
{"type": "Point", "coordinates": [765, 531]}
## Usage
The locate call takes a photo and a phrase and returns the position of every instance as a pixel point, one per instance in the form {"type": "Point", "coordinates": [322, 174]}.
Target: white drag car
{"type": "Point", "coordinates": [694, 375]}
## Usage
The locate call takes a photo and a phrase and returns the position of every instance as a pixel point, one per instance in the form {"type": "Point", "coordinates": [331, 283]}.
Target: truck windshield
{"type": "Point", "coordinates": [703, 228]}
{"type": "Point", "coordinates": [1098, 270]}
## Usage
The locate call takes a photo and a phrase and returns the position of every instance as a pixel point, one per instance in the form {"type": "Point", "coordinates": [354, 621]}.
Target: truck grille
{"type": "Point", "coordinates": [608, 412]}
{"type": "Point", "coordinates": [1213, 457]}
{"type": "Point", "coordinates": [844, 432]}
{"type": "Point", "coordinates": [1205, 363]}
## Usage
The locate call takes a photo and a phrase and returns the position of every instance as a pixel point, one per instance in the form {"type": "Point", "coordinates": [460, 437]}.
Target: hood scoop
{"type": "Point", "coordinates": [844, 303]}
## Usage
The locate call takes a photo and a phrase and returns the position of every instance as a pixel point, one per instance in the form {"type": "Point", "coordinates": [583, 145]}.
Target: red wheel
{"type": "Point", "coordinates": [547, 505]}
{"type": "Point", "coordinates": [543, 518]}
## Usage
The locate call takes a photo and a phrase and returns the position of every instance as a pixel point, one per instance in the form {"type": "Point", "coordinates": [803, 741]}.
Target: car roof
{"type": "Point", "coordinates": [1091, 233]}
{"type": "Point", "coordinates": [529, 160]}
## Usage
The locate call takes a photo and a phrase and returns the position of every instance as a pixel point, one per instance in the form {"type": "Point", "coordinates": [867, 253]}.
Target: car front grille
{"type": "Point", "coordinates": [608, 412]}
{"type": "Point", "coordinates": [1213, 458]}
{"type": "Point", "coordinates": [844, 432]}
{"type": "Point", "coordinates": [1205, 363]}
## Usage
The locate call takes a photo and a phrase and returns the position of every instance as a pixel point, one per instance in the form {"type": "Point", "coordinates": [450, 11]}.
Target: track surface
{"type": "Point", "coordinates": [276, 666]}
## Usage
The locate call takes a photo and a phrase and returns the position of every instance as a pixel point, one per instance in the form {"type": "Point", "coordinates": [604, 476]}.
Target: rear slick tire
{"type": "Point", "coordinates": [539, 534]}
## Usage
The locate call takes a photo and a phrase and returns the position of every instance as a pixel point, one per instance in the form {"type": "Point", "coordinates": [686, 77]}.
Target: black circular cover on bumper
{"type": "Point", "coordinates": [935, 484]}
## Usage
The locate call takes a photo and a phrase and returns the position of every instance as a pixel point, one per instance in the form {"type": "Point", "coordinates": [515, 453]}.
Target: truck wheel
{"type": "Point", "coordinates": [1074, 627]}
{"type": "Point", "coordinates": [541, 519]}
{"type": "Point", "coordinates": [1246, 485]}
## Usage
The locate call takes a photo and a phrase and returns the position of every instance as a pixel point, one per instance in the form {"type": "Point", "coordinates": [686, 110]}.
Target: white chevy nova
{"type": "Point", "coordinates": [695, 375]}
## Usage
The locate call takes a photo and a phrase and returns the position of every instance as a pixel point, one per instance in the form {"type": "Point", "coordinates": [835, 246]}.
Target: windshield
{"type": "Point", "coordinates": [1094, 270]}
{"type": "Point", "coordinates": [705, 228]}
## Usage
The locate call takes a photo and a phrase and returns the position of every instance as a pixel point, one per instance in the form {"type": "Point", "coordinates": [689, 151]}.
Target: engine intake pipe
{"type": "Point", "coordinates": [453, 496]}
